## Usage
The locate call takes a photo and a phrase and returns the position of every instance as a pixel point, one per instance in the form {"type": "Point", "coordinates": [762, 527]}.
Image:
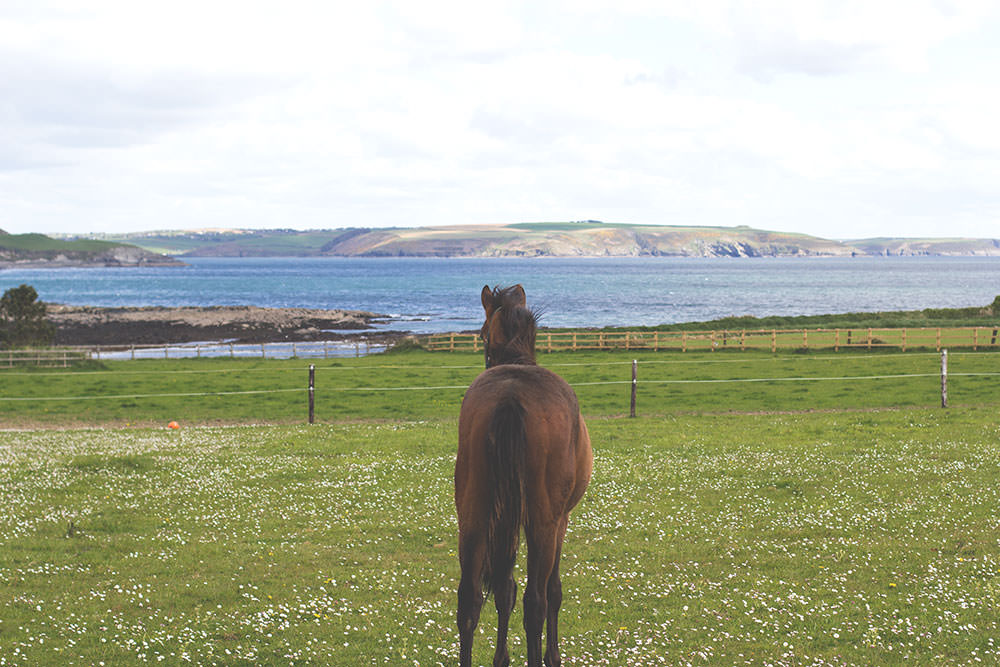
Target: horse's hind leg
{"type": "Point", "coordinates": [503, 595]}
{"type": "Point", "coordinates": [541, 556]}
{"type": "Point", "coordinates": [471, 552]}
{"type": "Point", "coordinates": [552, 657]}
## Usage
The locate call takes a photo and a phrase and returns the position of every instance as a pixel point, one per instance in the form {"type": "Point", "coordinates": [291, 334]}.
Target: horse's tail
{"type": "Point", "coordinates": [507, 444]}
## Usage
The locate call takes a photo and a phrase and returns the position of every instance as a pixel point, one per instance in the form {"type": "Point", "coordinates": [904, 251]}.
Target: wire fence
{"type": "Point", "coordinates": [609, 374]}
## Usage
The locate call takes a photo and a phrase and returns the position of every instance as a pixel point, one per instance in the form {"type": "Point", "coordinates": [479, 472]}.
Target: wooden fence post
{"type": "Point", "coordinates": [836, 341]}
{"type": "Point", "coordinates": [631, 412]}
{"type": "Point", "coordinates": [774, 341]}
{"type": "Point", "coordinates": [944, 378]}
{"type": "Point", "coordinates": [312, 392]}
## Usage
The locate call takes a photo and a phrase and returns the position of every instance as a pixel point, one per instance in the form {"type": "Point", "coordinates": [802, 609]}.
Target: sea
{"type": "Point", "coordinates": [428, 295]}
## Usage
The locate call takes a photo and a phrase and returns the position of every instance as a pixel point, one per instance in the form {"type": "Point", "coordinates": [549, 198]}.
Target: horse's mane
{"type": "Point", "coordinates": [519, 325]}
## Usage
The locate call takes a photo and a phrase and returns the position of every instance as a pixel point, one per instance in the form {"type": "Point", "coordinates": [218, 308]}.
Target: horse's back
{"type": "Point", "coordinates": [558, 456]}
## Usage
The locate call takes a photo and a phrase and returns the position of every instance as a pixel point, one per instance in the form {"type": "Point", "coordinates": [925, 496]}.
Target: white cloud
{"type": "Point", "coordinates": [833, 118]}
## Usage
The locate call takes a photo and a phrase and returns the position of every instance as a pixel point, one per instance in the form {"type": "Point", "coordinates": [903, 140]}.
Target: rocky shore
{"type": "Point", "coordinates": [154, 325]}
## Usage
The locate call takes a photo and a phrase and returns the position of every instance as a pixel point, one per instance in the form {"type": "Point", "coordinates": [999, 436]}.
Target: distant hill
{"type": "Point", "coordinates": [887, 246]}
{"type": "Point", "coordinates": [553, 239]}
{"type": "Point", "coordinates": [23, 250]}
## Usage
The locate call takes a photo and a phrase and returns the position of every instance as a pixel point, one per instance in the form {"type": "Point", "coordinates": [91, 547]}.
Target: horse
{"type": "Point", "coordinates": [524, 461]}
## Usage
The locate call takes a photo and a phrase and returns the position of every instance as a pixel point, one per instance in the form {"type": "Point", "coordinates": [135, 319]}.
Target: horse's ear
{"type": "Point", "coordinates": [518, 293]}
{"type": "Point", "coordinates": [487, 297]}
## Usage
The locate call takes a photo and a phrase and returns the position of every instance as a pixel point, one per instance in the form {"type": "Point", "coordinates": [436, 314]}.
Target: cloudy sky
{"type": "Point", "coordinates": [842, 119]}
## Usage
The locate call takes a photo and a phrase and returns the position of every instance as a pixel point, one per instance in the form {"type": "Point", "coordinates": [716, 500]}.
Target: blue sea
{"type": "Point", "coordinates": [425, 295]}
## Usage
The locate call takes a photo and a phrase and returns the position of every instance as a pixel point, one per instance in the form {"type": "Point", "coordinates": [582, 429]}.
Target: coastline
{"type": "Point", "coordinates": [156, 325]}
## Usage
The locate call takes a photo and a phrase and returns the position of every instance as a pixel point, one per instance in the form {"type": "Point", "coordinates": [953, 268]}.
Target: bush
{"type": "Point", "coordinates": [22, 319]}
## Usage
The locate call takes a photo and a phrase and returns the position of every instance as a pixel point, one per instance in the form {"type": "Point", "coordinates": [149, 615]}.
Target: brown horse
{"type": "Point", "coordinates": [524, 459]}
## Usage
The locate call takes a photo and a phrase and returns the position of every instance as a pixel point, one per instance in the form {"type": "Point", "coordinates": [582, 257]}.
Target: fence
{"type": "Point", "coordinates": [56, 357]}
{"type": "Point", "coordinates": [904, 339]}
{"type": "Point", "coordinates": [600, 381]}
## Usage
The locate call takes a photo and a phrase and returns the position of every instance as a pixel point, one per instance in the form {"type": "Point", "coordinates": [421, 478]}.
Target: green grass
{"type": "Point", "coordinates": [736, 521]}
{"type": "Point", "coordinates": [851, 538]}
{"type": "Point", "coordinates": [421, 385]}
{"type": "Point", "coordinates": [44, 244]}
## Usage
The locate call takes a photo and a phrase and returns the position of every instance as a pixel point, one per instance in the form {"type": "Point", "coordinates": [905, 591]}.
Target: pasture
{"type": "Point", "coordinates": [783, 523]}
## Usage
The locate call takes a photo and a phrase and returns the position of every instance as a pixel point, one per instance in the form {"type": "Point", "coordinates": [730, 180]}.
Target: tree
{"type": "Point", "coordinates": [22, 318]}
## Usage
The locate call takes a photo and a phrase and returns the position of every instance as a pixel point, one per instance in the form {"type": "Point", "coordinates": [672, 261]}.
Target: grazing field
{"type": "Point", "coordinates": [833, 538]}
{"type": "Point", "coordinates": [424, 385]}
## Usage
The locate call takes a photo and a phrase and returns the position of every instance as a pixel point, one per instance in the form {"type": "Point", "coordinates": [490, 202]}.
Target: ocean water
{"type": "Point", "coordinates": [426, 295]}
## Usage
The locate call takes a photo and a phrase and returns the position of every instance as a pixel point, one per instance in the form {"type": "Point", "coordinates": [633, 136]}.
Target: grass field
{"type": "Point", "coordinates": [859, 538]}
{"type": "Point", "coordinates": [738, 521]}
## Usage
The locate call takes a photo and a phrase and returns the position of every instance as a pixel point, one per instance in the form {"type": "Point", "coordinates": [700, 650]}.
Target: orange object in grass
{"type": "Point", "coordinates": [174, 425]}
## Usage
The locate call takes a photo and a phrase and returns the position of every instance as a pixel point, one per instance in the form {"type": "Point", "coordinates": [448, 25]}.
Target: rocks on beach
{"type": "Point", "coordinates": [153, 325]}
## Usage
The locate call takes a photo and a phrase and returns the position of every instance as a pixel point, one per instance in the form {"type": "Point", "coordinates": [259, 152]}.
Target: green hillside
{"type": "Point", "coordinates": [42, 250]}
{"type": "Point", "coordinates": [39, 243]}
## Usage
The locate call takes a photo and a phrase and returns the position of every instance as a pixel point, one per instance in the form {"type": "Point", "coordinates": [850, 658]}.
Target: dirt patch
{"type": "Point", "coordinates": [154, 325]}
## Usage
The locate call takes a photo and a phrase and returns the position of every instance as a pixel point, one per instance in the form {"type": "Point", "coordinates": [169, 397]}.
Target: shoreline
{"type": "Point", "coordinates": [162, 325]}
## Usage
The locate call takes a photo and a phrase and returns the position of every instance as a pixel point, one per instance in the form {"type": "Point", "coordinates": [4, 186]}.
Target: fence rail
{"type": "Point", "coordinates": [48, 357]}
{"type": "Point", "coordinates": [908, 338]}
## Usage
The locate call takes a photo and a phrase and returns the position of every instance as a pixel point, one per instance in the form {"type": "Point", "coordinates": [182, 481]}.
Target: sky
{"type": "Point", "coordinates": [842, 119]}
